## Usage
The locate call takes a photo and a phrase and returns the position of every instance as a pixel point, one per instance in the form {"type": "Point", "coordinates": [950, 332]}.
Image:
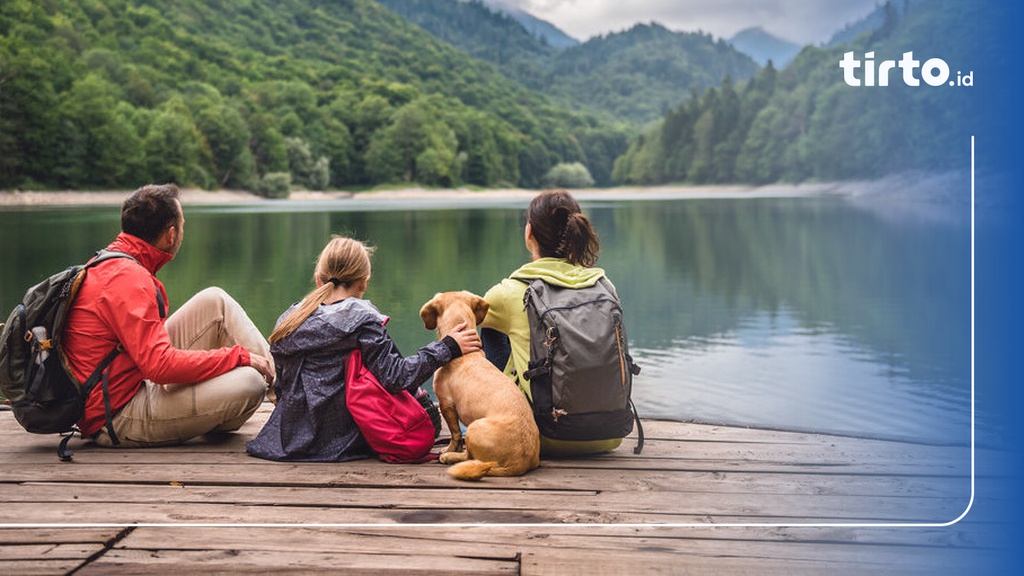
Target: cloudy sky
{"type": "Point", "coordinates": [800, 21]}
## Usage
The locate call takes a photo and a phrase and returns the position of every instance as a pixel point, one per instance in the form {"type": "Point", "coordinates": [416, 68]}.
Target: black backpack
{"type": "Point", "coordinates": [35, 379]}
{"type": "Point", "coordinates": [580, 370]}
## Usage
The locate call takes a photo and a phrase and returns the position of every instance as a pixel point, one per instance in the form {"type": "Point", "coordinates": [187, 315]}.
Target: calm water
{"type": "Point", "coordinates": [815, 314]}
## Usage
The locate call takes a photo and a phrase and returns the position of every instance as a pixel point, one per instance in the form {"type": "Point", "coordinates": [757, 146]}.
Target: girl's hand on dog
{"type": "Point", "coordinates": [467, 338]}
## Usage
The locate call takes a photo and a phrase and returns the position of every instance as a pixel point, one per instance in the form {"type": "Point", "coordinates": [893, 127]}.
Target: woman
{"type": "Point", "coordinates": [311, 421]}
{"type": "Point", "coordinates": [563, 249]}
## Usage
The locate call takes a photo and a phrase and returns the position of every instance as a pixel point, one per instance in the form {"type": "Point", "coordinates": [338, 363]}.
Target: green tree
{"type": "Point", "coordinates": [173, 147]}
{"type": "Point", "coordinates": [414, 135]}
{"type": "Point", "coordinates": [267, 144]}
{"type": "Point", "coordinates": [227, 136]}
{"type": "Point", "coordinates": [275, 185]}
{"type": "Point", "coordinates": [108, 148]}
{"type": "Point", "coordinates": [313, 173]}
{"type": "Point", "coordinates": [571, 175]}
{"type": "Point", "coordinates": [338, 148]}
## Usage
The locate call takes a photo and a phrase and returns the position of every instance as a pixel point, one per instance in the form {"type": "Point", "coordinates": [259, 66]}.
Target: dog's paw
{"type": "Point", "coordinates": [452, 457]}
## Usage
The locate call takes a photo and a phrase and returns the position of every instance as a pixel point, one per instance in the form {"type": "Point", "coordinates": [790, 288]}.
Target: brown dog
{"type": "Point", "coordinates": [501, 437]}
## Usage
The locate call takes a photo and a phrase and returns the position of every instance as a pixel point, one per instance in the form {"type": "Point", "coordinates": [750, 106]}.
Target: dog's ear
{"type": "Point", "coordinates": [480, 308]}
{"type": "Point", "coordinates": [429, 314]}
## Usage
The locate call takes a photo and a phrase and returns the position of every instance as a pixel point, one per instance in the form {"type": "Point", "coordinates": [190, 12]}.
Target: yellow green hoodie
{"type": "Point", "coordinates": [506, 315]}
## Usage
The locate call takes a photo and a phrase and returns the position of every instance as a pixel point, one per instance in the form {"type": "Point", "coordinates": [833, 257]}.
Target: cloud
{"type": "Point", "coordinates": [801, 21]}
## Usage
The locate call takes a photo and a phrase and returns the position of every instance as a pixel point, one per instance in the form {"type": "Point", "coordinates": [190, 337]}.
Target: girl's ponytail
{"type": "Point", "coordinates": [342, 262]}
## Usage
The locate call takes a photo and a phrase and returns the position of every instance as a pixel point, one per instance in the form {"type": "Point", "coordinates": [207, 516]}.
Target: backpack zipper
{"type": "Point", "coordinates": [622, 357]}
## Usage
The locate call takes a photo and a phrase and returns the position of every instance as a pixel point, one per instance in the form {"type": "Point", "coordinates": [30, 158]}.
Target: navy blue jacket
{"type": "Point", "coordinates": [311, 422]}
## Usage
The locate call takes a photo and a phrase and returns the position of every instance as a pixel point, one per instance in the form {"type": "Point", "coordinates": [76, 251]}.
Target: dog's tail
{"type": "Point", "coordinates": [471, 469]}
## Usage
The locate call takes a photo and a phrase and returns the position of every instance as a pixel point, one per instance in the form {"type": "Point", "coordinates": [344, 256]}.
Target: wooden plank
{"type": "Point", "coordinates": [810, 464]}
{"type": "Point", "coordinates": [724, 478]}
{"type": "Point", "coordinates": [71, 500]}
{"type": "Point", "coordinates": [140, 562]}
{"type": "Point", "coordinates": [677, 440]}
{"type": "Point", "coordinates": [38, 567]}
{"type": "Point", "coordinates": [50, 536]}
{"type": "Point", "coordinates": [507, 540]}
{"type": "Point", "coordinates": [831, 511]}
{"type": "Point", "coordinates": [563, 548]}
{"type": "Point", "coordinates": [367, 472]}
{"type": "Point", "coordinates": [731, 487]}
{"type": "Point", "coordinates": [48, 552]}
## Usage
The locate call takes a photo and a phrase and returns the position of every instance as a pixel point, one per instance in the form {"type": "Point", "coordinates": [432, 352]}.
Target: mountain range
{"type": "Point", "coordinates": [543, 30]}
{"type": "Point", "coordinates": [273, 94]}
{"type": "Point", "coordinates": [632, 76]}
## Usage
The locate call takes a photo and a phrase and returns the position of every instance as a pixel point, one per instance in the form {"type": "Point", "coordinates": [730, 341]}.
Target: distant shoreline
{"type": "Point", "coordinates": [73, 198]}
{"type": "Point", "coordinates": [906, 186]}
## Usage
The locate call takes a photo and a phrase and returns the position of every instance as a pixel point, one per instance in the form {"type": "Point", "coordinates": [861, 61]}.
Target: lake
{"type": "Point", "coordinates": [823, 313]}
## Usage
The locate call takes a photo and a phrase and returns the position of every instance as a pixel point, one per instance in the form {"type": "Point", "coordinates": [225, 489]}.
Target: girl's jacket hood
{"type": "Point", "coordinates": [330, 328]}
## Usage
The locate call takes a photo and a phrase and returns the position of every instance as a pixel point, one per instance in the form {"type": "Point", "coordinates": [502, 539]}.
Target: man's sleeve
{"type": "Point", "coordinates": [135, 319]}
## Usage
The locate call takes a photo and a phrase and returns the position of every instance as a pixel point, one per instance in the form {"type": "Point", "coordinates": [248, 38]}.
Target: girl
{"type": "Point", "coordinates": [311, 421]}
{"type": "Point", "coordinates": [563, 249]}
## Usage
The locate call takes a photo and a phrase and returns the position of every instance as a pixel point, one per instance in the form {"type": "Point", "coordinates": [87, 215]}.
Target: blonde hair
{"type": "Point", "coordinates": [343, 262]}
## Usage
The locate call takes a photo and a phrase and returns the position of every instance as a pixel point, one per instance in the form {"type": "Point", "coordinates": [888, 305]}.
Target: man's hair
{"type": "Point", "coordinates": [150, 210]}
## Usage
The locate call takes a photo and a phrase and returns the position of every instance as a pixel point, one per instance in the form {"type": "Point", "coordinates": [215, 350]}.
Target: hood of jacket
{"type": "Point", "coordinates": [558, 272]}
{"type": "Point", "coordinates": [331, 328]}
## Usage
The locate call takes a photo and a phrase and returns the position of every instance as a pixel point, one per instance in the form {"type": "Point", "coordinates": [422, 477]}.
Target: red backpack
{"type": "Point", "coordinates": [396, 426]}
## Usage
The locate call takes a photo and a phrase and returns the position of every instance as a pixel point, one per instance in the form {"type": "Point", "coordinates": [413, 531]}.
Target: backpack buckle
{"type": "Point", "coordinates": [63, 453]}
{"type": "Point", "coordinates": [551, 335]}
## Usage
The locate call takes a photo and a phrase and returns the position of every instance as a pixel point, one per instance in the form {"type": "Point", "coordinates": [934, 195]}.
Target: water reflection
{"type": "Point", "coordinates": [795, 313]}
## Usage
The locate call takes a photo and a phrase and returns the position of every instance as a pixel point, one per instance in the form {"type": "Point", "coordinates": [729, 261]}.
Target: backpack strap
{"type": "Point", "coordinates": [101, 372]}
{"type": "Point", "coordinates": [104, 255]}
{"type": "Point", "coordinates": [101, 375]}
{"type": "Point", "coordinates": [639, 429]}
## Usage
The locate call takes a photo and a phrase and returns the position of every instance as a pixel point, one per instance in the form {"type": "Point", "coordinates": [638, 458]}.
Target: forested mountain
{"type": "Point", "coordinates": [805, 122]}
{"type": "Point", "coordinates": [762, 47]}
{"type": "Point", "coordinates": [544, 31]}
{"type": "Point", "coordinates": [481, 32]}
{"type": "Point", "coordinates": [634, 76]}
{"type": "Point", "coordinates": [257, 93]}
{"type": "Point", "coordinates": [639, 74]}
{"type": "Point", "coordinates": [873, 21]}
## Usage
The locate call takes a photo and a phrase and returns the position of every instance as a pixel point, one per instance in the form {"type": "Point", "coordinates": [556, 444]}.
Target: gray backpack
{"type": "Point", "coordinates": [35, 379]}
{"type": "Point", "coordinates": [580, 370]}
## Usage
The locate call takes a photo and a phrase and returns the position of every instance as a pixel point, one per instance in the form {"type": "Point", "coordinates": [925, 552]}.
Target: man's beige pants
{"type": "Point", "coordinates": [160, 415]}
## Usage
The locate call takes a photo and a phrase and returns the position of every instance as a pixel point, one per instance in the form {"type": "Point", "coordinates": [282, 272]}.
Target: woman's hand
{"type": "Point", "coordinates": [467, 338]}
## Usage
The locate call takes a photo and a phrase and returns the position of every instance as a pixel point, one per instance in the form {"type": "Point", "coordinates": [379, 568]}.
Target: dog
{"type": "Point", "coordinates": [501, 436]}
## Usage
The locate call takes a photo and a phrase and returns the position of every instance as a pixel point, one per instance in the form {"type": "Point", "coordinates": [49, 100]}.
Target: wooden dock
{"type": "Point", "coordinates": [699, 499]}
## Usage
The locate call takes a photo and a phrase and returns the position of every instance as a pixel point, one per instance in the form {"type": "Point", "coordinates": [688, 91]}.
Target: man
{"type": "Point", "coordinates": [205, 369]}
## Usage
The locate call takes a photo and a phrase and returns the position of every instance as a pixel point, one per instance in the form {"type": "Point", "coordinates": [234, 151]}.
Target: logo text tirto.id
{"type": "Point", "coordinates": [934, 71]}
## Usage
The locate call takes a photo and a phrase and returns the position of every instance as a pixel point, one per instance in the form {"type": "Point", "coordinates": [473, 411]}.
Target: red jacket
{"type": "Point", "coordinates": [118, 303]}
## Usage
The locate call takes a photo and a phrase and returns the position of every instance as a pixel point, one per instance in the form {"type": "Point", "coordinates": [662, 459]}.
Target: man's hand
{"type": "Point", "coordinates": [263, 366]}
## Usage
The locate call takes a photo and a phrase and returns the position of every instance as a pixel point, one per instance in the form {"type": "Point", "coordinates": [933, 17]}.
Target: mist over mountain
{"type": "Point", "coordinates": [632, 76]}
{"type": "Point", "coordinates": [543, 30]}
{"type": "Point", "coordinates": [873, 21]}
{"type": "Point", "coordinates": [763, 46]}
